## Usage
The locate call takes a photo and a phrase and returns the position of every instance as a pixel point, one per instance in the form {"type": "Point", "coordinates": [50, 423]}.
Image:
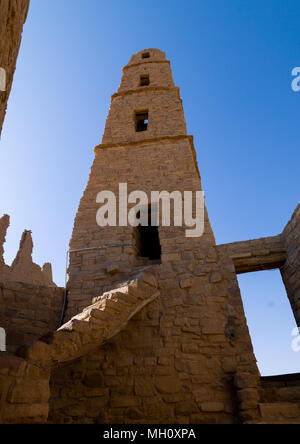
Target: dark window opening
{"type": "Point", "coordinates": [141, 121]}
{"type": "Point", "coordinates": [147, 240]}
{"type": "Point", "coordinates": [144, 80]}
{"type": "Point", "coordinates": [146, 55]}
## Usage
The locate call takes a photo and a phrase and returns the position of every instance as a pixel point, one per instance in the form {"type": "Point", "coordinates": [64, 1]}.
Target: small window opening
{"type": "Point", "coordinates": [147, 240]}
{"type": "Point", "coordinates": [141, 121]}
{"type": "Point", "coordinates": [146, 55]}
{"type": "Point", "coordinates": [144, 80]}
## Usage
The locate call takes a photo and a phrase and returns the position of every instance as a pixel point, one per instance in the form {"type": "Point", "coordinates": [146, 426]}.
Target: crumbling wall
{"type": "Point", "coordinates": [185, 358]}
{"type": "Point", "coordinates": [23, 269]}
{"type": "Point", "coordinates": [291, 270]}
{"type": "Point", "coordinates": [28, 312]}
{"type": "Point", "coordinates": [13, 14]}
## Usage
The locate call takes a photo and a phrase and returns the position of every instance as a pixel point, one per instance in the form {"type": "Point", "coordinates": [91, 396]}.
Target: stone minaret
{"type": "Point", "coordinates": [178, 359]}
{"type": "Point", "coordinates": [162, 157]}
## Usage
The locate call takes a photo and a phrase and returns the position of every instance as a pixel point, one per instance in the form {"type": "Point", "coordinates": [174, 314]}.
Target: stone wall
{"type": "Point", "coordinates": [282, 388]}
{"type": "Point", "coordinates": [28, 312]}
{"type": "Point", "coordinates": [291, 270]}
{"type": "Point", "coordinates": [266, 253]}
{"type": "Point", "coordinates": [13, 14]}
{"type": "Point", "coordinates": [165, 344]}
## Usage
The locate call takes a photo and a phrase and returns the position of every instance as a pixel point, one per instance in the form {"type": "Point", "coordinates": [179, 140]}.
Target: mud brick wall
{"type": "Point", "coordinates": [13, 14]}
{"type": "Point", "coordinates": [28, 312]}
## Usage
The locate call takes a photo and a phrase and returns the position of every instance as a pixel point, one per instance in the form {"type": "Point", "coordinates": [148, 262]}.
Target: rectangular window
{"type": "Point", "coordinates": [141, 121]}
{"type": "Point", "coordinates": [146, 55]}
{"type": "Point", "coordinates": [145, 80]}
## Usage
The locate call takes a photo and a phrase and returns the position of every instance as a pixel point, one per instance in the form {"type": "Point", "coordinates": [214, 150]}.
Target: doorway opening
{"type": "Point", "coordinates": [271, 322]}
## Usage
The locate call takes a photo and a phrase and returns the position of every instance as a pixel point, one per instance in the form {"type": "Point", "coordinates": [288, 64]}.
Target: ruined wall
{"type": "Point", "coordinates": [30, 302]}
{"type": "Point", "coordinates": [24, 391]}
{"type": "Point", "coordinates": [23, 269]}
{"type": "Point", "coordinates": [28, 312]}
{"type": "Point", "coordinates": [13, 14]}
{"type": "Point", "coordinates": [291, 270]}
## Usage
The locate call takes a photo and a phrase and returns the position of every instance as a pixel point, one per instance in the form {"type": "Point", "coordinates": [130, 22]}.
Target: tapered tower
{"type": "Point", "coordinates": [187, 357]}
{"type": "Point", "coordinates": [145, 146]}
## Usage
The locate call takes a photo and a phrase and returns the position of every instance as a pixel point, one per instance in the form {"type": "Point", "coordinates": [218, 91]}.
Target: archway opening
{"type": "Point", "coordinates": [271, 322]}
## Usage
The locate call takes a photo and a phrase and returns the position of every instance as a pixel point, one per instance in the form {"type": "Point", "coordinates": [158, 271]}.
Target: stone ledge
{"type": "Point", "coordinates": [145, 63]}
{"type": "Point", "coordinates": [145, 89]}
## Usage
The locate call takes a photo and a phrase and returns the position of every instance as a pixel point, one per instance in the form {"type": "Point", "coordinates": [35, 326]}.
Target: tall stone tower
{"type": "Point", "coordinates": [187, 357]}
{"type": "Point", "coordinates": [160, 156]}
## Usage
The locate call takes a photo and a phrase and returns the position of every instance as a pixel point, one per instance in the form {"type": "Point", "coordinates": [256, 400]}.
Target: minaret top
{"type": "Point", "coordinates": [147, 56]}
{"type": "Point", "coordinates": [147, 104]}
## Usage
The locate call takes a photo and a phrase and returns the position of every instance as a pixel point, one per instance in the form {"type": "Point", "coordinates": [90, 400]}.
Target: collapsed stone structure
{"type": "Point", "coordinates": [23, 269]}
{"type": "Point", "coordinates": [13, 15]}
{"type": "Point", "coordinates": [30, 302]}
{"type": "Point", "coordinates": [153, 332]}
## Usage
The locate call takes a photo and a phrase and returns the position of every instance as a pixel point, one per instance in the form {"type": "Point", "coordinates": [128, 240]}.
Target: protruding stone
{"type": "Point", "coordinates": [212, 407]}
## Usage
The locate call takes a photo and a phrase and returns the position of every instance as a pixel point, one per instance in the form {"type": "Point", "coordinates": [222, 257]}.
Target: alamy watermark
{"type": "Point", "coordinates": [296, 80]}
{"type": "Point", "coordinates": [2, 79]}
{"type": "Point", "coordinates": [188, 211]}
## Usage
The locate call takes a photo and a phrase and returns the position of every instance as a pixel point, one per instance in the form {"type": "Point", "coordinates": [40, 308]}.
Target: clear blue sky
{"type": "Point", "coordinates": [232, 60]}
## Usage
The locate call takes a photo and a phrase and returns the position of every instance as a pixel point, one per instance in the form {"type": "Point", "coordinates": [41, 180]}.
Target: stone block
{"type": "Point", "coordinates": [212, 407]}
